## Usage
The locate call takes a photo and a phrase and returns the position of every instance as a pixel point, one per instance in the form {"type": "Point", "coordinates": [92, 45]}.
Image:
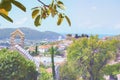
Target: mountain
{"type": "Point", "coordinates": [30, 34]}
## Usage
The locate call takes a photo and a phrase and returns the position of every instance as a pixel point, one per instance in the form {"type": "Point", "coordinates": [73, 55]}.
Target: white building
{"type": "Point", "coordinates": [44, 48]}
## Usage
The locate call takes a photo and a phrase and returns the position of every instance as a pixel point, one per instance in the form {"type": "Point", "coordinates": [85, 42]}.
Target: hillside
{"type": "Point", "coordinates": [30, 34]}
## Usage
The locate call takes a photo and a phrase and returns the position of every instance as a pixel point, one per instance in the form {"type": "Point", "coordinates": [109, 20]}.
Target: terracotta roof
{"type": "Point", "coordinates": [31, 48]}
{"type": "Point", "coordinates": [44, 47]}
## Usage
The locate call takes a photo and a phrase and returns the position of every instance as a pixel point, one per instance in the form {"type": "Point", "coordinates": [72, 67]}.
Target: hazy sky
{"type": "Point", "coordinates": [87, 16]}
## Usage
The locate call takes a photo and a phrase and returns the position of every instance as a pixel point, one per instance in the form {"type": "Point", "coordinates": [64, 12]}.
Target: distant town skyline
{"type": "Point", "coordinates": [87, 16]}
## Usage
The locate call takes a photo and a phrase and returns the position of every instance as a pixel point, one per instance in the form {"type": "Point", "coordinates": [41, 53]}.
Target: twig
{"type": "Point", "coordinates": [42, 3]}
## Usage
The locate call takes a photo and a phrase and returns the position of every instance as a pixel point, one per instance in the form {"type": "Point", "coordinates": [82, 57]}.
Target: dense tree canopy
{"type": "Point", "coordinates": [112, 69]}
{"type": "Point", "coordinates": [13, 66]}
{"type": "Point", "coordinates": [39, 13]}
{"type": "Point", "coordinates": [44, 75]}
{"type": "Point", "coordinates": [89, 56]}
{"type": "Point", "coordinates": [67, 72]}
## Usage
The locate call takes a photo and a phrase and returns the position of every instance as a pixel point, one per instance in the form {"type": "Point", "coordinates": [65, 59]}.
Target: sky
{"type": "Point", "coordinates": [87, 16]}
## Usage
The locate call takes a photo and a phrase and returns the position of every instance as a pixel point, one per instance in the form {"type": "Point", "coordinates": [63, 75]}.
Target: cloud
{"type": "Point", "coordinates": [21, 21]}
{"type": "Point", "coordinates": [94, 8]}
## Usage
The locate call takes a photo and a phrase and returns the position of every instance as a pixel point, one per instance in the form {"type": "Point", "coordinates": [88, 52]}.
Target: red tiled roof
{"type": "Point", "coordinates": [45, 46]}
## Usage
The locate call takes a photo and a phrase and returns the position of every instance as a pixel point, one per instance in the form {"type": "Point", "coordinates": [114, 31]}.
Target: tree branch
{"type": "Point", "coordinates": [42, 3]}
{"type": "Point", "coordinates": [102, 64]}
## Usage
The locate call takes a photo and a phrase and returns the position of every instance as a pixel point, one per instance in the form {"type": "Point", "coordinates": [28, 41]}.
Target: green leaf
{"type": "Point", "coordinates": [19, 5]}
{"type": "Point", "coordinates": [6, 5]}
{"type": "Point", "coordinates": [54, 7]}
{"type": "Point", "coordinates": [52, 3]}
{"type": "Point", "coordinates": [68, 20]}
{"type": "Point", "coordinates": [60, 2]}
{"type": "Point", "coordinates": [60, 15]}
{"type": "Point", "coordinates": [37, 21]}
{"type": "Point", "coordinates": [6, 17]}
{"type": "Point", "coordinates": [34, 13]}
{"type": "Point", "coordinates": [53, 12]}
{"type": "Point", "coordinates": [60, 19]}
{"type": "Point", "coordinates": [61, 5]}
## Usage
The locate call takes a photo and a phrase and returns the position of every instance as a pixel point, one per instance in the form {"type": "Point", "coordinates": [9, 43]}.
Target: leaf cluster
{"type": "Point", "coordinates": [39, 13]}
{"type": "Point", "coordinates": [43, 12]}
{"type": "Point", "coordinates": [6, 5]}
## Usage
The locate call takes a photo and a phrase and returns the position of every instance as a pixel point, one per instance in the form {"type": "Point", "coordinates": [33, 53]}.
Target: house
{"type": "Point", "coordinates": [44, 48]}
{"type": "Point", "coordinates": [31, 49]}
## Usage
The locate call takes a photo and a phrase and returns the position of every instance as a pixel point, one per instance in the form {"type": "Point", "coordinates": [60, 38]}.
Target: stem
{"type": "Point", "coordinates": [42, 3]}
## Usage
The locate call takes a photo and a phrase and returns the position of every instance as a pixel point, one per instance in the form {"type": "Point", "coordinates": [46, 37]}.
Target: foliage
{"type": "Point", "coordinates": [33, 53]}
{"type": "Point", "coordinates": [112, 69]}
{"type": "Point", "coordinates": [6, 6]}
{"type": "Point", "coordinates": [36, 49]}
{"type": "Point", "coordinates": [44, 75]}
{"type": "Point", "coordinates": [67, 72]}
{"type": "Point", "coordinates": [38, 13]}
{"type": "Point", "coordinates": [90, 55]}
{"type": "Point", "coordinates": [15, 67]}
{"type": "Point", "coordinates": [52, 52]}
{"type": "Point", "coordinates": [42, 12]}
{"type": "Point", "coordinates": [36, 52]}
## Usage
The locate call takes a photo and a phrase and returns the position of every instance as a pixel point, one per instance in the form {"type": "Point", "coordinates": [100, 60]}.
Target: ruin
{"type": "Point", "coordinates": [14, 34]}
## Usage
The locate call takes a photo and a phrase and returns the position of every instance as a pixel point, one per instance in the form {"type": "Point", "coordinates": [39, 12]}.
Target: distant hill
{"type": "Point", "coordinates": [30, 34]}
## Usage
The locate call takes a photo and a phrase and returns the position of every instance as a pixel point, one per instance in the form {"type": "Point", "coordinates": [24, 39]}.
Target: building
{"type": "Point", "coordinates": [44, 48]}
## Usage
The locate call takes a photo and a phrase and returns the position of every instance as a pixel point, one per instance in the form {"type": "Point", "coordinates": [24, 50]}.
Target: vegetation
{"type": "Point", "coordinates": [44, 75]}
{"type": "Point", "coordinates": [36, 49]}
{"type": "Point", "coordinates": [112, 69]}
{"type": "Point", "coordinates": [6, 6]}
{"type": "Point", "coordinates": [52, 52]}
{"type": "Point", "coordinates": [13, 66]}
{"type": "Point", "coordinates": [39, 13]}
{"type": "Point", "coordinates": [33, 53]}
{"type": "Point", "coordinates": [67, 72]}
{"type": "Point", "coordinates": [88, 56]}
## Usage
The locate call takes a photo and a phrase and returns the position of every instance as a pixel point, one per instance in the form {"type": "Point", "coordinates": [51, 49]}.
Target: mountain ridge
{"type": "Point", "coordinates": [30, 34]}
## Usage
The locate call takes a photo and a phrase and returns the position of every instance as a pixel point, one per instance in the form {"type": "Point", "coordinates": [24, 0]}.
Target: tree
{"type": "Point", "coordinates": [13, 66]}
{"type": "Point", "coordinates": [89, 55]}
{"type": "Point", "coordinates": [39, 13]}
{"type": "Point", "coordinates": [44, 75]}
{"type": "Point", "coordinates": [36, 49]}
{"type": "Point", "coordinates": [53, 50]}
{"type": "Point", "coordinates": [112, 70]}
{"type": "Point", "coordinates": [67, 72]}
